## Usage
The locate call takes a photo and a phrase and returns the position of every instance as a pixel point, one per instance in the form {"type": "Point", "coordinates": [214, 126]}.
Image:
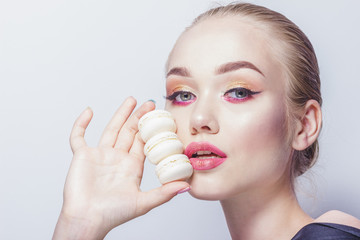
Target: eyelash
{"type": "Point", "coordinates": [248, 92]}
{"type": "Point", "coordinates": [173, 97]}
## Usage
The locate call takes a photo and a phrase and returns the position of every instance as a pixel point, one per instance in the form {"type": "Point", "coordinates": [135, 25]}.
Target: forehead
{"type": "Point", "coordinates": [218, 40]}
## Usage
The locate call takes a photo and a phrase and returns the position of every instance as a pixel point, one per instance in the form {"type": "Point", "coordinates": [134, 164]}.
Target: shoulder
{"type": "Point", "coordinates": [338, 217]}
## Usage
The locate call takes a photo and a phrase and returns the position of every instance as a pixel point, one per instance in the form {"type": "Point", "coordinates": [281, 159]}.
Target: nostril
{"type": "Point", "coordinates": [203, 123]}
{"type": "Point", "coordinates": [205, 128]}
{"type": "Point", "coordinates": [194, 131]}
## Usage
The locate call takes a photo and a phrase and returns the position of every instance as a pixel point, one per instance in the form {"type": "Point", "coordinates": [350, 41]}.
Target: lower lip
{"type": "Point", "coordinates": [206, 163]}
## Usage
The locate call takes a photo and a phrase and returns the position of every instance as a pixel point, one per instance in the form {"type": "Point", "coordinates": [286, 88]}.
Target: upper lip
{"type": "Point", "coordinates": [194, 147]}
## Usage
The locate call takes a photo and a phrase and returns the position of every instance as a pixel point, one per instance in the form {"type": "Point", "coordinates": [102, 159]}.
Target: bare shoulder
{"type": "Point", "coordinates": [335, 216]}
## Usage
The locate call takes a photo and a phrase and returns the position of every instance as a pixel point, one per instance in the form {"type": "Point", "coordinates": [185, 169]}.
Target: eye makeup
{"type": "Point", "coordinates": [236, 95]}
{"type": "Point", "coordinates": [239, 91]}
{"type": "Point", "coordinates": [181, 95]}
{"type": "Point", "coordinates": [235, 91]}
{"type": "Point", "coordinates": [234, 84]}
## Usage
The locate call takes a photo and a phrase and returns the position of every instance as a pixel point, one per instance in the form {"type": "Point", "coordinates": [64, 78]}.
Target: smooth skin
{"type": "Point", "coordinates": [102, 189]}
{"type": "Point", "coordinates": [253, 184]}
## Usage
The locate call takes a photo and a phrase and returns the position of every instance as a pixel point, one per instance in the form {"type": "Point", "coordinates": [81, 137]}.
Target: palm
{"type": "Point", "coordinates": [103, 183]}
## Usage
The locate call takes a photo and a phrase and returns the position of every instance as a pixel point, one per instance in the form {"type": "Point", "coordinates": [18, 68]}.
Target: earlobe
{"type": "Point", "coordinates": [308, 126]}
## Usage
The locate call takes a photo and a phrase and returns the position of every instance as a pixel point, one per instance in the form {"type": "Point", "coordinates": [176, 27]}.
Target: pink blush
{"type": "Point", "coordinates": [184, 103]}
{"type": "Point", "coordinates": [235, 100]}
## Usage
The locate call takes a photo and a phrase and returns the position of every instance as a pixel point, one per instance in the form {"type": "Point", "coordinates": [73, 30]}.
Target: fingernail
{"type": "Point", "coordinates": [87, 109]}
{"type": "Point", "coordinates": [152, 100]}
{"type": "Point", "coordinates": [184, 190]}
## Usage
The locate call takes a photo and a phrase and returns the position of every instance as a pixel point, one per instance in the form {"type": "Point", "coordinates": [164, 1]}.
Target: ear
{"type": "Point", "coordinates": [308, 126]}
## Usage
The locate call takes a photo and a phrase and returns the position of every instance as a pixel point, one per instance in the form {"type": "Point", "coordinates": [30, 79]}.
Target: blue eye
{"type": "Point", "coordinates": [238, 94]}
{"type": "Point", "coordinates": [184, 96]}
{"type": "Point", "coordinates": [181, 97]}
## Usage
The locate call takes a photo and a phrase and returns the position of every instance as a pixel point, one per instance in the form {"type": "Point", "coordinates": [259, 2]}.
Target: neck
{"type": "Point", "coordinates": [268, 213]}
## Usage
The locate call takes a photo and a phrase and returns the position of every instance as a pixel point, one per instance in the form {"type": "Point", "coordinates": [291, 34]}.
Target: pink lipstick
{"type": "Point", "coordinates": [204, 156]}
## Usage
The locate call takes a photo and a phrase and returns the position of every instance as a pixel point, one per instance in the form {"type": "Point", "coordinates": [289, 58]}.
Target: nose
{"type": "Point", "coordinates": [203, 118]}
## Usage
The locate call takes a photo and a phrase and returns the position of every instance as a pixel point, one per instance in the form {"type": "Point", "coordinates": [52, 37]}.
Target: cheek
{"type": "Point", "coordinates": [260, 135]}
{"type": "Point", "coordinates": [263, 127]}
{"type": "Point", "coordinates": [259, 149]}
{"type": "Point", "coordinates": [181, 116]}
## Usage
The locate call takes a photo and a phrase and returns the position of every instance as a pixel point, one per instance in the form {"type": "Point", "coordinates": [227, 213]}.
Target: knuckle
{"type": "Point", "coordinates": [111, 129]}
{"type": "Point", "coordinates": [133, 128]}
{"type": "Point", "coordinates": [82, 153]}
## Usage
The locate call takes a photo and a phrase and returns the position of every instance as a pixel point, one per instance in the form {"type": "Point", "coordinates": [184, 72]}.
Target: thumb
{"type": "Point", "coordinates": [161, 195]}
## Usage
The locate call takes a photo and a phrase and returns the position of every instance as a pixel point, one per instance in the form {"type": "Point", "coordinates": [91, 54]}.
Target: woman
{"type": "Point", "coordinates": [241, 79]}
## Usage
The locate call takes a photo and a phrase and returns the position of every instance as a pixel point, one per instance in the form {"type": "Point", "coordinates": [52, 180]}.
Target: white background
{"type": "Point", "coordinates": [57, 57]}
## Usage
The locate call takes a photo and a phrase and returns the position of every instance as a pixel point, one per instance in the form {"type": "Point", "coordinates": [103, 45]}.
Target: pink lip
{"type": "Point", "coordinates": [204, 163]}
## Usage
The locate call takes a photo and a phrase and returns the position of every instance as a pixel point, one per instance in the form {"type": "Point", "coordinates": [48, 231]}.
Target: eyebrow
{"type": "Point", "coordinates": [179, 71]}
{"type": "Point", "coordinates": [225, 68]}
{"type": "Point", "coordinates": [233, 66]}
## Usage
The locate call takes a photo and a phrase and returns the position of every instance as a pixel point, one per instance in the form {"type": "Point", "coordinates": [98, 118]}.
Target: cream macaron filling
{"type": "Point", "coordinates": [155, 122]}
{"type": "Point", "coordinates": [162, 146]}
{"type": "Point", "coordinates": [174, 167]}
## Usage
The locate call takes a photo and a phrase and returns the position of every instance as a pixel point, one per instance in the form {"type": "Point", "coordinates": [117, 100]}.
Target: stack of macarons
{"type": "Point", "coordinates": [162, 146]}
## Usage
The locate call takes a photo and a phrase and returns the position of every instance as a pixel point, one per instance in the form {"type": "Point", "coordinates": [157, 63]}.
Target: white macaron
{"type": "Point", "coordinates": [174, 167]}
{"type": "Point", "coordinates": [161, 146]}
{"type": "Point", "coordinates": [155, 122]}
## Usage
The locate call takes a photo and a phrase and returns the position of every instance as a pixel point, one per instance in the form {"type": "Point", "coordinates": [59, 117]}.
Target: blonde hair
{"type": "Point", "coordinates": [297, 57]}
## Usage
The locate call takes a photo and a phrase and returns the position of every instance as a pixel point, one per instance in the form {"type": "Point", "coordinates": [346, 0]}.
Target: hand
{"type": "Point", "coordinates": [102, 189]}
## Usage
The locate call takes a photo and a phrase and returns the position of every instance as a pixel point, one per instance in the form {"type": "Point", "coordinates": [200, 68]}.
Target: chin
{"type": "Point", "coordinates": [205, 196]}
{"type": "Point", "coordinates": [206, 188]}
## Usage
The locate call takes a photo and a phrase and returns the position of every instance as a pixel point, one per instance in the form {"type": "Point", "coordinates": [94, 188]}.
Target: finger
{"type": "Point", "coordinates": [137, 148]}
{"type": "Point", "coordinates": [160, 195]}
{"type": "Point", "coordinates": [78, 131]}
{"type": "Point", "coordinates": [111, 131]}
{"type": "Point", "coordinates": [127, 133]}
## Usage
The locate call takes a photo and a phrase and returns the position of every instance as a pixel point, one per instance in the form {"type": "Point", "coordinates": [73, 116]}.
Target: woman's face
{"type": "Point", "coordinates": [227, 95]}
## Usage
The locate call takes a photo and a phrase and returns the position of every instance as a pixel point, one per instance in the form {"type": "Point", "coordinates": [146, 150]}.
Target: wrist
{"type": "Point", "coordinates": [77, 228]}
